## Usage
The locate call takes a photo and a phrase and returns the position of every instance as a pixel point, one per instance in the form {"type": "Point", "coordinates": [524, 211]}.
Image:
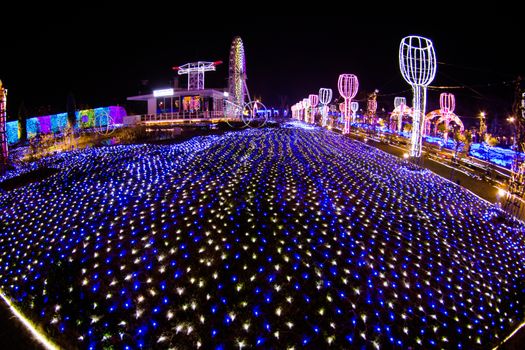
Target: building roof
{"type": "Point", "coordinates": [216, 93]}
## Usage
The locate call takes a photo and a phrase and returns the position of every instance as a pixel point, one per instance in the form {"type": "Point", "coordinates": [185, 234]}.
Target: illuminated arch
{"type": "Point", "coordinates": [438, 113]}
{"type": "Point", "coordinates": [400, 112]}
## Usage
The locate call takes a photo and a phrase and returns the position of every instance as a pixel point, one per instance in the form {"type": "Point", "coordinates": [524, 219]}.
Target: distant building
{"type": "Point", "coordinates": [182, 105]}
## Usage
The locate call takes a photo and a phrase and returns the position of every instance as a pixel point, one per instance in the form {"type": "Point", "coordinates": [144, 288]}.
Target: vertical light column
{"type": "Point", "coordinates": [314, 101]}
{"type": "Point", "coordinates": [306, 104]}
{"type": "Point", "coordinates": [354, 106]}
{"type": "Point", "coordinates": [447, 104]}
{"type": "Point", "coordinates": [400, 103]}
{"type": "Point", "coordinates": [325, 97]}
{"type": "Point", "coordinates": [4, 155]}
{"type": "Point", "coordinates": [348, 86]}
{"type": "Point", "coordinates": [417, 61]}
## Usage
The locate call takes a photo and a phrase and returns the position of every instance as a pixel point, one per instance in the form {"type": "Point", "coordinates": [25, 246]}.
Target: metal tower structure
{"type": "Point", "coordinates": [195, 72]}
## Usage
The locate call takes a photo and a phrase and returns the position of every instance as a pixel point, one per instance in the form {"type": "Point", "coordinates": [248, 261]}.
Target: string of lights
{"type": "Point", "coordinates": [275, 238]}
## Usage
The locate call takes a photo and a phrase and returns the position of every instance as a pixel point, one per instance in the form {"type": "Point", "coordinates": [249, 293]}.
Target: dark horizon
{"type": "Point", "coordinates": [287, 59]}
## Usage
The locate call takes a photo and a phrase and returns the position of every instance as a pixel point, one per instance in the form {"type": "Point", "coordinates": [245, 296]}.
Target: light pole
{"type": "Point", "coordinates": [482, 126]}
{"type": "Point", "coordinates": [514, 146]}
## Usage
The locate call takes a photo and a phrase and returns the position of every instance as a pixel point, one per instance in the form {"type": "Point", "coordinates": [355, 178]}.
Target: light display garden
{"type": "Point", "coordinates": [56, 123]}
{"type": "Point", "coordinates": [270, 238]}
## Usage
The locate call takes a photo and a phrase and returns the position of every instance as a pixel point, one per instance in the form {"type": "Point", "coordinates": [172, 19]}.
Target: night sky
{"type": "Point", "coordinates": [103, 61]}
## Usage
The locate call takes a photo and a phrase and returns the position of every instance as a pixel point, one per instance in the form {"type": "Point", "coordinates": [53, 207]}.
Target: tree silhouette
{"type": "Point", "coordinates": [22, 115]}
{"type": "Point", "coordinates": [71, 108]}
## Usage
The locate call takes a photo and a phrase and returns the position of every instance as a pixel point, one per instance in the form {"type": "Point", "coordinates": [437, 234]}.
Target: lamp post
{"type": "Point", "coordinates": [514, 146]}
{"type": "Point", "coordinates": [482, 126]}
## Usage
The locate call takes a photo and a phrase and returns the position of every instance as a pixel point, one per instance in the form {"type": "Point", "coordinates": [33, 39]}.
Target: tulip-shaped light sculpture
{"type": "Point", "coordinates": [417, 62]}
{"type": "Point", "coordinates": [400, 104]}
{"type": "Point", "coordinates": [354, 106]}
{"type": "Point", "coordinates": [348, 86]}
{"type": "Point", "coordinates": [325, 97]}
{"type": "Point", "coordinates": [4, 155]}
{"type": "Point", "coordinates": [447, 104]}
{"type": "Point", "coordinates": [306, 104]}
{"type": "Point", "coordinates": [314, 101]}
{"type": "Point", "coordinates": [342, 110]}
{"type": "Point", "coordinates": [371, 110]}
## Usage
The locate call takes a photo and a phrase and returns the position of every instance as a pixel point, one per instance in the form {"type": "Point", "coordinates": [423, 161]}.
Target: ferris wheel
{"type": "Point", "coordinates": [237, 74]}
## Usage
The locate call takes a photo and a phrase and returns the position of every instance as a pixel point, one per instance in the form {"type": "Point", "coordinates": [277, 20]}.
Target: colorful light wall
{"type": "Point", "coordinates": [57, 122]}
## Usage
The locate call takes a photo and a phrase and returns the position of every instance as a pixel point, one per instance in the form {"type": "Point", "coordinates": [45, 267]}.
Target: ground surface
{"type": "Point", "coordinates": [276, 237]}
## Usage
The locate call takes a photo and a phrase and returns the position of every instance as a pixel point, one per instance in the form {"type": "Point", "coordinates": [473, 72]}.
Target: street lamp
{"type": "Point", "coordinates": [514, 143]}
{"type": "Point", "coordinates": [482, 125]}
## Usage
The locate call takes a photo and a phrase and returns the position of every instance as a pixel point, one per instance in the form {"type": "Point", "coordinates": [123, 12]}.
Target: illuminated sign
{"type": "Point", "coordinates": [163, 92]}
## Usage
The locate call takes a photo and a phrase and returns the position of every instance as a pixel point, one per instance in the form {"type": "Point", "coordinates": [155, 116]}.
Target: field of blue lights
{"type": "Point", "coordinates": [270, 238]}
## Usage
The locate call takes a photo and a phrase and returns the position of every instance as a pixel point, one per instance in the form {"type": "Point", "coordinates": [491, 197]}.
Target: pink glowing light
{"type": "Point", "coordinates": [306, 104]}
{"type": "Point", "coordinates": [447, 102]}
{"type": "Point", "coordinates": [314, 101]}
{"type": "Point", "coordinates": [354, 106]}
{"type": "Point", "coordinates": [347, 85]}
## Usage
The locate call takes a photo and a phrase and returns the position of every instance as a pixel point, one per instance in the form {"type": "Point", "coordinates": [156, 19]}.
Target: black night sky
{"type": "Point", "coordinates": [105, 60]}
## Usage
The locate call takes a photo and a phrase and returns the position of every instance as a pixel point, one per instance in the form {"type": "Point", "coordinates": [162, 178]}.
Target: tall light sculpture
{"type": "Point", "coordinates": [332, 120]}
{"type": "Point", "coordinates": [371, 109]}
{"type": "Point", "coordinates": [348, 86]}
{"type": "Point", "coordinates": [298, 110]}
{"type": "Point", "coordinates": [354, 106]}
{"type": "Point", "coordinates": [342, 110]}
{"type": "Point", "coordinates": [523, 105]}
{"type": "Point", "coordinates": [3, 134]}
{"type": "Point", "coordinates": [306, 104]}
{"type": "Point", "coordinates": [325, 97]}
{"type": "Point", "coordinates": [400, 103]}
{"type": "Point", "coordinates": [314, 101]}
{"type": "Point", "coordinates": [417, 62]}
{"type": "Point", "coordinates": [447, 104]}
